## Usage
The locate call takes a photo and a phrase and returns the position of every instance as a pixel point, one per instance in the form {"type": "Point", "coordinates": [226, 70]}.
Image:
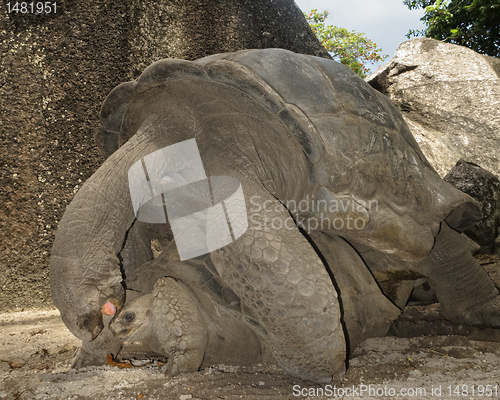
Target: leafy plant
{"type": "Point", "coordinates": [471, 23]}
{"type": "Point", "coordinates": [351, 48]}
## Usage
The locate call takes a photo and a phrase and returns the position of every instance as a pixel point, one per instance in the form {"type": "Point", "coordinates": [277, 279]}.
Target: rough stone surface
{"type": "Point", "coordinates": [56, 70]}
{"type": "Point", "coordinates": [484, 187]}
{"type": "Point", "coordinates": [450, 98]}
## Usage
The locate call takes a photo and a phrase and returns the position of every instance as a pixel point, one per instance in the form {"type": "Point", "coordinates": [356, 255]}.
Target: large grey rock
{"type": "Point", "coordinates": [450, 97]}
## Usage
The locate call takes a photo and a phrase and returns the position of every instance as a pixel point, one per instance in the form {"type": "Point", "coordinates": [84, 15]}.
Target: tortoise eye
{"type": "Point", "coordinates": [129, 316]}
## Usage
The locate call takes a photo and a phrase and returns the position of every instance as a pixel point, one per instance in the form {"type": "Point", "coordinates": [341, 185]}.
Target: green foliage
{"type": "Point", "coordinates": [471, 23]}
{"type": "Point", "coordinates": [351, 48]}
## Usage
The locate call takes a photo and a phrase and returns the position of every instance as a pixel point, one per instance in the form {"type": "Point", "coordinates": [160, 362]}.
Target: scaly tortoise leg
{"type": "Point", "coordinates": [465, 291]}
{"type": "Point", "coordinates": [179, 325]}
{"type": "Point", "coordinates": [284, 284]}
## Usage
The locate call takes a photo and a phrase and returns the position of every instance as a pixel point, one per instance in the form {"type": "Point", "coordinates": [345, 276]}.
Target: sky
{"type": "Point", "coordinates": [385, 22]}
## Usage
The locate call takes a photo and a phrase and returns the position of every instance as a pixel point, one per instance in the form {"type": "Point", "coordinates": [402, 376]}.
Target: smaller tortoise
{"type": "Point", "coordinates": [173, 322]}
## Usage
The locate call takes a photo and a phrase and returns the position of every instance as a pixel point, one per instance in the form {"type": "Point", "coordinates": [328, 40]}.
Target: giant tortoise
{"type": "Point", "coordinates": [187, 314]}
{"type": "Point", "coordinates": [328, 170]}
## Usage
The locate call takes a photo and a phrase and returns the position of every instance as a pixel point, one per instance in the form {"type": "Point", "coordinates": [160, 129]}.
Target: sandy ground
{"type": "Point", "coordinates": [36, 350]}
{"type": "Point", "coordinates": [424, 357]}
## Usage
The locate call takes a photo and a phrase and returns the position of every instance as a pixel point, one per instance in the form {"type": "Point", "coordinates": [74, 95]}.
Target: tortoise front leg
{"type": "Point", "coordinates": [179, 325]}
{"type": "Point", "coordinates": [465, 291]}
{"type": "Point", "coordinates": [285, 286]}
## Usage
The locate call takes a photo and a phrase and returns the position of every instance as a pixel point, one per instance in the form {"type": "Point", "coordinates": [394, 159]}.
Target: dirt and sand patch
{"type": "Point", "coordinates": [36, 351]}
{"type": "Point", "coordinates": [424, 356]}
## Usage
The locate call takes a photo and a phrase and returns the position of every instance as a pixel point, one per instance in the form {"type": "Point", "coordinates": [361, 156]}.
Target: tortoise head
{"type": "Point", "coordinates": [132, 323]}
{"type": "Point", "coordinates": [82, 310]}
{"type": "Point", "coordinates": [82, 300]}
